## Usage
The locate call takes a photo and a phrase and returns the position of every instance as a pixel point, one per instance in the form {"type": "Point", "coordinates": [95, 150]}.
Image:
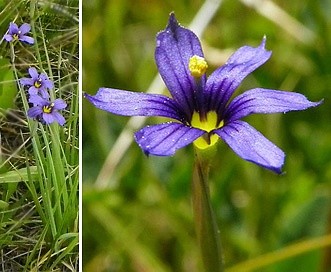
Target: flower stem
{"type": "Point", "coordinates": [205, 223]}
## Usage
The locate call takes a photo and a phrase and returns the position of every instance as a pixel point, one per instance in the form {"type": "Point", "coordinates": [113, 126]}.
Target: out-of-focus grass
{"type": "Point", "coordinates": [143, 221]}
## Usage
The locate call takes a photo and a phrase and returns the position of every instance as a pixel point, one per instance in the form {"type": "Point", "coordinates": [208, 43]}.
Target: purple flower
{"type": "Point", "coordinates": [201, 106]}
{"type": "Point", "coordinates": [38, 83]}
{"type": "Point", "coordinates": [18, 33]}
{"type": "Point", "coordinates": [46, 110]}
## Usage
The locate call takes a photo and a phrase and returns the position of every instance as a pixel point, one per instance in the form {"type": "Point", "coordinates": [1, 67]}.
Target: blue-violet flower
{"type": "Point", "coordinates": [18, 33]}
{"type": "Point", "coordinates": [46, 111]}
{"type": "Point", "coordinates": [37, 83]}
{"type": "Point", "coordinates": [201, 106]}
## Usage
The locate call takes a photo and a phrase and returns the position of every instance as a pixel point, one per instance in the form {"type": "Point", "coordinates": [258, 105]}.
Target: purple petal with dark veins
{"type": "Point", "coordinates": [59, 118]}
{"type": "Point", "coordinates": [223, 82]}
{"type": "Point", "coordinates": [165, 139]}
{"type": "Point", "coordinates": [174, 48]}
{"type": "Point", "coordinates": [135, 104]}
{"type": "Point", "coordinates": [48, 118]}
{"type": "Point", "coordinates": [252, 146]}
{"type": "Point", "coordinates": [266, 101]}
{"type": "Point", "coordinates": [35, 111]}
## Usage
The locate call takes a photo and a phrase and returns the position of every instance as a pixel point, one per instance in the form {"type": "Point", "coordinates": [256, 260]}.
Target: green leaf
{"type": "Point", "coordinates": [8, 89]}
{"type": "Point", "coordinates": [3, 205]}
{"type": "Point", "coordinates": [18, 175]}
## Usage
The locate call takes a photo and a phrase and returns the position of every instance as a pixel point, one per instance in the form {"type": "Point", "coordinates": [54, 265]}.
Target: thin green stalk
{"type": "Point", "coordinates": [282, 254]}
{"type": "Point", "coordinates": [31, 259]}
{"type": "Point", "coordinates": [60, 166]}
{"type": "Point", "coordinates": [50, 73]}
{"type": "Point", "coordinates": [205, 223]}
{"type": "Point", "coordinates": [33, 30]}
{"type": "Point", "coordinates": [326, 260]}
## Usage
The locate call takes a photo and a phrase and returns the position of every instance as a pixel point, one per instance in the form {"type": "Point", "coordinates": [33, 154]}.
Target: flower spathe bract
{"type": "Point", "coordinates": [200, 105]}
{"type": "Point", "coordinates": [38, 83]}
{"type": "Point", "coordinates": [46, 110]}
{"type": "Point", "coordinates": [16, 33]}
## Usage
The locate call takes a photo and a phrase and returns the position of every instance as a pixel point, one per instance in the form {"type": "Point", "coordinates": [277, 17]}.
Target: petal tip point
{"type": "Point", "coordinates": [173, 24]}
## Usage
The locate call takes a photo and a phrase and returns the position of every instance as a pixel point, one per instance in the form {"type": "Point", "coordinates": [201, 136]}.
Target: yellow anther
{"type": "Point", "coordinates": [37, 83]}
{"type": "Point", "coordinates": [48, 108]}
{"type": "Point", "coordinates": [16, 35]}
{"type": "Point", "coordinates": [208, 125]}
{"type": "Point", "coordinates": [197, 66]}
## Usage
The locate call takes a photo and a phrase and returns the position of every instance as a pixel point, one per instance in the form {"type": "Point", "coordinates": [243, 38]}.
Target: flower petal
{"type": "Point", "coordinates": [27, 39]}
{"type": "Point", "coordinates": [13, 28]}
{"type": "Point", "coordinates": [25, 28]}
{"type": "Point", "coordinates": [175, 46]}
{"type": "Point", "coordinates": [59, 104]}
{"type": "Point", "coordinates": [165, 139]}
{"type": "Point", "coordinates": [33, 90]}
{"type": "Point", "coordinates": [222, 83]}
{"type": "Point", "coordinates": [37, 100]}
{"type": "Point", "coordinates": [252, 146]}
{"type": "Point", "coordinates": [43, 93]}
{"type": "Point", "coordinates": [266, 101]}
{"type": "Point", "coordinates": [26, 81]}
{"type": "Point", "coordinates": [48, 118]}
{"type": "Point", "coordinates": [59, 118]}
{"type": "Point", "coordinates": [34, 111]}
{"type": "Point", "coordinates": [48, 84]}
{"type": "Point", "coordinates": [33, 73]}
{"type": "Point", "coordinates": [135, 104]}
{"type": "Point", "coordinates": [8, 37]}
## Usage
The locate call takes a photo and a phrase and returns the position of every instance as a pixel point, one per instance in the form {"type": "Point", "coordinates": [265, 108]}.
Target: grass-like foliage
{"type": "Point", "coordinates": [137, 212]}
{"type": "Point", "coordinates": [39, 159]}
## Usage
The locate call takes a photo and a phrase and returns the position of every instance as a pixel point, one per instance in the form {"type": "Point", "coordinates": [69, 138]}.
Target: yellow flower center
{"type": "Point", "coordinates": [209, 124]}
{"type": "Point", "coordinates": [16, 35]}
{"type": "Point", "coordinates": [37, 83]}
{"type": "Point", "coordinates": [197, 66]}
{"type": "Point", "coordinates": [48, 108]}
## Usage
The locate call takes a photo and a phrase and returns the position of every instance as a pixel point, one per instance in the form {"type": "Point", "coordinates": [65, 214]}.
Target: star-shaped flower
{"type": "Point", "coordinates": [37, 83]}
{"type": "Point", "coordinates": [45, 110]}
{"type": "Point", "coordinates": [201, 106]}
{"type": "Point", "coordinates": [16, 33]}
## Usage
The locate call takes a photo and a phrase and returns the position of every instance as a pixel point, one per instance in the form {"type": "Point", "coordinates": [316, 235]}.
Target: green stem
{"type": "Point", "coordinates": [285, 253]}
{"type": "Point", "coordinates": [205, 223]}
{"type": "Point", "coordinates": [326, 260]}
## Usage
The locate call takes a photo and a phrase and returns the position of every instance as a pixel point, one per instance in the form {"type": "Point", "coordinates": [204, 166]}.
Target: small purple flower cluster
{"type": "Point", "coordinates": [43, 109]}
{"type": "Point", "coordinates": [16, 33]}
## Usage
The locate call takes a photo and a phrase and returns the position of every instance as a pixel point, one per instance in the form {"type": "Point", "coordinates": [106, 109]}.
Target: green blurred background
{"type": "Point", "coordinates": [139, 217]}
